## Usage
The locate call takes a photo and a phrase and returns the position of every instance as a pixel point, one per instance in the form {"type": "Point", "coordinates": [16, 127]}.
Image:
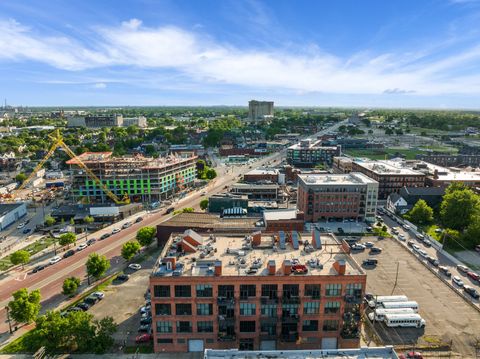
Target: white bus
{"type": "Point", "coordinates": [404, 320]}
{"type": "Point", "coordinates": [379, 300]}
{"type": "Point", "coordinates": [410, 304]}
{"type": "Point", "coordinates": [379, 313]}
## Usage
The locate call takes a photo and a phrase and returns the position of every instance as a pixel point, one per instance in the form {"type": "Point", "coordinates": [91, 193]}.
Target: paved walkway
{"type": "Point", "coordinates": [116, 356]}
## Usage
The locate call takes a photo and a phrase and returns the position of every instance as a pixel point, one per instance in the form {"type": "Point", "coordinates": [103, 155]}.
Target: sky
{"type": "Point", "coordinates": [396, 53]}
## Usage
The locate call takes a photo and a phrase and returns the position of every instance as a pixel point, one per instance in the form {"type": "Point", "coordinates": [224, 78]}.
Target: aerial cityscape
{"type": "Point", "coordinates": [240, 179]}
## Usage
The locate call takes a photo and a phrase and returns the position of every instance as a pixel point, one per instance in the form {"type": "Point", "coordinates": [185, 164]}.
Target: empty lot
{"type": "Point", "coordinates": [447, 315]}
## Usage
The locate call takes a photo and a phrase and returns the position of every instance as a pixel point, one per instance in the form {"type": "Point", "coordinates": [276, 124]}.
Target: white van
{"type": "Point", "coordinates": [404, 320]}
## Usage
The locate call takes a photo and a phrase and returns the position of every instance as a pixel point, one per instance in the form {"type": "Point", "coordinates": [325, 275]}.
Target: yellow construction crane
{"type": "Point", "coordinates": [57, 140]}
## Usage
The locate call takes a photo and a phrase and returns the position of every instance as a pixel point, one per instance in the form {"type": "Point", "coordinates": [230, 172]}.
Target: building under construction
{"type": "Point", "coordinates": [142, 179]}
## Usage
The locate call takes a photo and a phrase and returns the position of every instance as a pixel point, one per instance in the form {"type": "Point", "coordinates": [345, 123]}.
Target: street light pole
{"type": "Point", "coordinates": [8, 320]}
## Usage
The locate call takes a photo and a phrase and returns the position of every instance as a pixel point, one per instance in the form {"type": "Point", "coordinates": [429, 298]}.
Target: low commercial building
{"type": "Point", "coordinates": [258, 191]}
{"type": "Point", "coordinates": [217, 203]}
{"type": "Point", "coordinates": [390, 175]}
{"type": "Point", "coordinates": [10, 213]}
{"type": "Point", "coordinates": [254, 291]}
{"type": "Point", "coordinates": [262, 175]}
{"type": "Point", "coordinates": [448, 160]}
{"type": "Point", "coordinates": [346, 196]}
{"type": "Point", "coordinates": [309, 154]}
{"type": "Point", "coordinates": [287, 220]}
{"type": "Point", "coordinates": [342, 164]}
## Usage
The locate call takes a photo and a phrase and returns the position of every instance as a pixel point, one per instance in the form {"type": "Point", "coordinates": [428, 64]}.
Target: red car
{"type": "Point", "coordinates": [411, 355]}
{"type": "Point", "coordinates": [474, 276]}
{"type": "Point", "coordinates": [143, 338]}
{"type": "Point", "coordinates": [299, 269]}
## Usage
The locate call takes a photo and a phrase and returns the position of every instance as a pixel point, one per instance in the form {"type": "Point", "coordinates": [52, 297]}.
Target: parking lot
{"type": "Point", "coordinates": [448, 316]}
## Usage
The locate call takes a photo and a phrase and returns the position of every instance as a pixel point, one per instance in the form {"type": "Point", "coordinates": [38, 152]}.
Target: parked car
{"type": "Point", "coordinates": [370, 262]}
{"type": "Point", "coordinates": [139, 219]}
{"type": "Point", "coordinates": [26, 231]}
{"type": "Point", "coordinates": [69, 253]}
{"type": "Point", "coordinates": [126, 225]}
{"type": "Point", "coordinates": [420, 236]}
{"type": "Point", "coordinates": [457, 281]}
{"type": "Point", "coordinates": [21, 225]}
{"type": "Point", "coordinates": [415, 248]}
{"type": "Point", "coordinates": [474, 276]}
{"type": "Point", "coordinates": [414, 355]}
{"type": "Point", "coordinates": [105, 236]}
{"type": "Point", "coordinates": [135, 266]}
{"type": "Point", "coordinates": [472, 291]}
{"type": "Point", "coordinates": [54, 260]}
{"type": "Point", "coordinates": [83, 306]}
{"type": "Point", "coordinates": [122, 278]}
{"type": "Point", "coordinates": [91, 300]}
{"type": "Point", "coordinates": [433, 261]}
{"type": "Point", "coordinates": [445, 271]}
{"type": "Point", "coordinates": [91, 241]}
{"type": "Point", "coordinates": [81, 247]}
{"type": "Point", "coordinates": [74, 309]}
{"type": "Point", "coordinates": [99, 295]}
{"type": "Point", "coordinates": [171, 209]}
{"type": "Point", "coordinates": [395, 230]}
{"type": "Point", "coordinates": [375, 250]}
{"type": "Point", "coordinates": [144, 328]}
{"type": "Point", "coordinates": [115, 230]}
{"type": "Point", "coordinates": [369, 229]}
{"type": "Point", "coordinates": [369, 244]}
{"type": "Point", "coordinates": [427, 243]}
{"type": "Point", "coordinates": [411, 244]}
{"type": "Point", "coordinates": [145, 309]}
{"type": "Point", "coordinates": [143, 338]}
{"type": "Point", "coordinates": [38, 268]}
{"type": "Point", "coordinates": [146, 321]}
{"type": "Point", "coordinates": [406, 227]}
{"type": "Point", "coordinates": [340, 230]}
{"type": "Point", "coordinates": [357, 247]}
{"type": "Point", "coordinates": [423, 253]}
{"type": "Point", "coordinates": [463, 269]}
{"type": "Point", "coordinates": [402, 237]}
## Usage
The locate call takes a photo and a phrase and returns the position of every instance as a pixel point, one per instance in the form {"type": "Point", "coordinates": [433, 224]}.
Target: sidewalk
{"type": "Point", "coordinates": [114, 356]}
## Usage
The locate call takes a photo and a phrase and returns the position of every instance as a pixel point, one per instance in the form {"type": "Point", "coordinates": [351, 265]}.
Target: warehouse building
{"type": "Point", "coordinates": [10, 213]}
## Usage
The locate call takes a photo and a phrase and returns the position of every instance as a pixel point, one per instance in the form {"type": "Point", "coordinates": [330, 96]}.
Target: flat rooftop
{"type": "Point", "coordinates": [383, 167]}
{"type": "Point", "coordinates": [262, 171]}
{"type": "Point", "coordinates": [240, 256]}
{"type": "Point", "coordinates": [344, 179]}
{"type": "Point", "coordinates": [309, 145]}
{"type": "Point", "coordinates": [359, 353]}
{"type": "Point", "coordinates": [8, 207]}
{"type": "Point", "coordinates": [449, 174]}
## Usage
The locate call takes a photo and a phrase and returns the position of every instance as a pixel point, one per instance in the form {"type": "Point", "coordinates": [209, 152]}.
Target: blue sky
{"type": "Point", "coordinates": [398, 53]}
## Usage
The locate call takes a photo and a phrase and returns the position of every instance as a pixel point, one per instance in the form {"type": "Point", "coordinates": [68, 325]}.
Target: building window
{"type": "Point", "coordinates": [312, 290]}
{"type": "Point", "coordinates": [183, 309]}
{"type": "Point", "coordinates": [247, 309]}
{"type": "Point", "coordinates": [205, 327]}
{"type": "Point", "coordinates": [311, 307]}
{"type": "Point", "coordinates": [354, 289]}
{"type": "Point", "coordinates": [226, 291]}
{"type": "Point", "coordinates": [163, 309]}
{"type": "Point", "coordinates": [181, 341]}
{"type": "Point", "coordinates": [164, 341]}
{"type": "Point", "coordinates": [333, 290]}
{"type": "Point", "coordinates": [247, 291]}
{"type": "Point", "coordinates": [204, 291]}
{"type": "Point", "coordinates": [269, 328]}
{"type": "Point", "coordinates": [204, 309]}
{"type": "Point", "coordinates": [332, 307]}
{"type": "Point", "coordinates": [247, 326]}
{"type": "Point", "coordinates": [164, 327]}
{"type": "Point", "coordinates": [289, 310]}
{"type": "Point", "coordinates": [290, 290]}
{"type": "Point", "coordinates": [161, 291]}
{"type": "Point", "coordinates": [269, 310]}
{"type": "Point", "coordinates": [310, 325]}
{"type": "Point", "coordinates": [183, 291]}
{"type": "Point", "coordinates": [330, 325]}
{"type": "Point", "coordinates": [184, 327]}
{"type": "Point", "coordinates": [269, 291]}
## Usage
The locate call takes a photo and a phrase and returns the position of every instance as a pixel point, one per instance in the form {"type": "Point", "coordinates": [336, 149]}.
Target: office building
{"type": "Point", "coordinates": [390, 175]}
{"type": "Point", "coordinates": [346, 196]}
{"type": "Point", "coordinates": [254, 291]}
{"type": "Point", "coordinates": [260, 110]}
{"type": "Point", "coordinates": [105, 120]}
{"type": "Point", "coordinates": [308, 153]}
{"type": "Point", "coordinates": [256, 191]}
{"type": "Point", "coordinates": [263, 175]}
{"type": "Point", "coordinates": [143, 179]}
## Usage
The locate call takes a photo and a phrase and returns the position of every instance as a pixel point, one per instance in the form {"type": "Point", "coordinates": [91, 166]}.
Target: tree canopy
{"type": "Point", "coordinates": [25, 306]}
{"type": "Point", "coordinates": [97, 265]}
{"type": "Point", "coordinates": [20, 257]}
{"type": "Point", "coordinates": [458, 208]}
{"type": "Point", "coordinates": [204, 204]}
{"type": "Point", "coordinates": [67, 239]}
{"type": "Point", "coordinates": [70, 286]}
{"type": "Point", "coordinates": [145, 235]}
{"type": "Point", "coordinates": [129, 249]}
{"type": "Point", "coordinates": [421, 213]}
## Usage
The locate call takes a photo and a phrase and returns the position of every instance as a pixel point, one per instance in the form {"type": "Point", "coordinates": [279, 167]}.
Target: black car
{"type": "Point", "coordinates": [38, 268]}
{"type": "Point", "coordinates": [169, 210]}
{"type": "Point", "coordinates": [427, 243]}
{"type": "Point", "coordinates": [375, 250]}
{"type": "Point", "coordinates": [410, 243]}
{"type": "Point", "coordinates": [370, 262]}
{"type": "Point", "coordinates": [122, 277]}
{"type": "Point", "coordinates": [144, 328]}
{"type": "Point", "coordinates": [146, 321]}
{"type": "Point", "coordinates": [83, 306]}
{"type": "Point", "coordinates": [139, 219]}
{"type": "Point", "coordinates": [340, 230]}
{"type": "Point", "coordinates": [91, 300]}
{"type": "Point", "coordinates": [91, 241]}
{"type": "Point", "coordinates": [472, 291]}
{"type": "Point", "coordinates": [69, 253]}
{"type": "Point", "coordinates": [105, 236]}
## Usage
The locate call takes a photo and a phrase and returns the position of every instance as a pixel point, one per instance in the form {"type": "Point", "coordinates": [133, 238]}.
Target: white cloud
{"type": "Point", "coordinates": [206, 62]}
{"type": "Point", "coordinates": [100, 85]}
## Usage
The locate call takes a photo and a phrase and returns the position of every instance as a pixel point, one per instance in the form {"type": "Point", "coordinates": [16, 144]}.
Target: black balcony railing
{"type": "Point", "coordinates": [291, 300]}
{"type": "Point", "coordinates": [225, 300]}
{"type": "Point", "coordinates": [267, 300]}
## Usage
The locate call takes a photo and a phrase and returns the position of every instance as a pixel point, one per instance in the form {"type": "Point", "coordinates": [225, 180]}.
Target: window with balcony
{"type": "Point", "coordinates": [161, 291]}
{"type": "Point", "coordinates": [205, 327]}
{"type": "Point", "coordinates": [332, 307]}
{"type": "Point", "coordinates": [269, 291]}
{"type": "Point", "coordinates": [269, 310]}
{"type": "Point", "coordinates": [290, 290]}
{"type": "Point", "coordinates": [247, 326]}
{"type": "Point", "coordinates": [330, 325]}
{"type": "Point", "coordinates": [183, 309]}
{"type": "Point", "coordinates": [310, 325]}
{"type": "Point", "coordinates": [184, 327]}
{"type": "Point", "coordinates": [247, 309]}
{"type": "Point", "coordinates": [312, 291]}
{"type": "Point", "coordinates": [226, 291]}
{"type": "Point", "coordinates": [247, 291]}
{"type": "Point", "coordinates": [183, 291]}
{"type": "Point", "coordinates": [204, 309]}
{"type": "Point", "coordinates": [354, 289]}
{"type": "Point", "coordinates": [289, 310]}
{"type": "Point", "coordinates": [333, 290]}
{"type": "Point", "coordinates": [164, 327]}
{"type": "Point", "coordinates": [311, 307]}
{"type": "Point", "coordinates": [163, 309]}
{"type": "Point", "coordinates": [204, 291]}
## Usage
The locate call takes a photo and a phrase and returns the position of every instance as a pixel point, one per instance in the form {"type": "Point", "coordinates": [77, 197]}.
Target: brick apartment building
{"type": "Point", "coordinates": [248, 292]}
{"type": "Point", "coordinates": [346, 196]}
{"type": "Point", "coordinates": [308, 154]}
{"type": "Point", "coordinates": [390, 175]}
{"type": "Point", "coordinates": [262, 175]}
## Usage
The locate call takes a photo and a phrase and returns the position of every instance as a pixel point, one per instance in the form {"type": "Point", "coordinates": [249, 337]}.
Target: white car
{"type": "Point", "coordinates": [135, 266]}
{"type": "Point", "coordinates": [99, 295]}
{"type": "Point", "coordinates": [357, 247]}
{"type": "Point", "coordinates": [402, 237]}
{"type": "Point", "coordinates": [406, 227]}
{"type": "Point", "coordinates": [423, 253]}
{"type": "Point", "coordinates": [420, 236]}
{"type": "Point", "coordinates": [415, 248]}
{"type": "Point", "coordinates": [21, 225]}
{"type": "Point", "coordinates": [54, 260]}
{"type": "Point", "coordinates": [462, 268]}
{"type": "Point", "coordinates": [81, 247]}
{"type": "Point", "coordinates": [369, 244]}
{"type": "Point", "coordinates": [395, 230]}
{"type": "Point", "coordinates": [115, 230]}
{"type": "Point", "coordinates": [456, 280]}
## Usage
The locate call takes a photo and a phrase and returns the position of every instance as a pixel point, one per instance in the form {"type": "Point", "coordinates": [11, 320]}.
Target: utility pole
{"type": "Point", "coordinates": [8, 320]}
{"type": "Point", "coordinates": [396, 279]}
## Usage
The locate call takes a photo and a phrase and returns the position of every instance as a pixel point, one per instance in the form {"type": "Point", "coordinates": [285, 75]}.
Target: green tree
{"type": "Point", "coordinates": [49, 221]}
{"type": "Point", "coordinates": [70, 286]}
{"type": "Point", "coordinates": [72, 221]}
{"type": "Point", "coordinates": [211, 174]}
{"type": "Point", "coordinates": [20, 257]}
{"type": "Point", "coordinates": [67, 239]}
{"type": "Point", "coordinates": [129, 249]}
{"type": "Point", "coordinates": [104, 329]}
{"type": "Point", "coordinates": [421, 213]}
{"type": "Point", "coordinates": [471, 236]}
{"type": "Point", "coordinates": [25, 306]}
{"type": "Point", "coordinates": [458, 207]}
{"type": "Point", "coordinates": [20, 177]}
{"type": "Point", "coordinates": [97, 265]}
{"type": "Point", "coordinates": [204, 204]}
{"type": "Point", "coordinates": [145, 235]}
{"type": "Point", "coordinates": [87, 220]}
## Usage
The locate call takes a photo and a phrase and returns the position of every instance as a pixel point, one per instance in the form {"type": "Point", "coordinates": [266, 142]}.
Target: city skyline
{"type": "Point", "coordinates": [142, 53]}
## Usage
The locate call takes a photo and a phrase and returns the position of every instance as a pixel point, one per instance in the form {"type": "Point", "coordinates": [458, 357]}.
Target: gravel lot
{"type": "Point", "coordinates": [448, 316]}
